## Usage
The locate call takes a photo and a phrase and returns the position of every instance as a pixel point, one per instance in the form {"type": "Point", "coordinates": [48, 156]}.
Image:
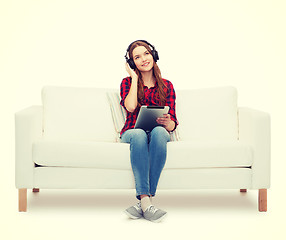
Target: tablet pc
{"type": "Point", "coordinates": [147, 116]}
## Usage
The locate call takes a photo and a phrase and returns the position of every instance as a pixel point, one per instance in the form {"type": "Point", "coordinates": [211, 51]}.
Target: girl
{"type": "Point", "coordinates": [145, 86]}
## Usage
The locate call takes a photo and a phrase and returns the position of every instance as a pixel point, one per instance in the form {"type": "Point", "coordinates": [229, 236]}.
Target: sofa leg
{"type": "Point", "coordinates": [35, 190]}
{"type": "Point", "coordinates": [22, 199]}
{"type": "Point", "coordinates": [262, 200]}
{"type": "Point", "coordinates": [243, 190]}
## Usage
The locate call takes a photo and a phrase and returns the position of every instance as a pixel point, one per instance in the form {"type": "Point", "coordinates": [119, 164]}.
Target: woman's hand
{"type": "Point", "coordinates": [131, 99]}
{"type": "Point", "coordinates": [130, 71]}
{"type": "Point", "coordinates": [166, 122]}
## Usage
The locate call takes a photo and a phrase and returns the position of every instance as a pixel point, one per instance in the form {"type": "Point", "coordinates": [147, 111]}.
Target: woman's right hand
{"type": "Point", "coordinates": [130, 71]}
{"type": "Point", "coordinates": [131, 99]}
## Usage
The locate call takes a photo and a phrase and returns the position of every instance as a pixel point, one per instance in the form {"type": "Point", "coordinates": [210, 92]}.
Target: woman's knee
{"type": "Point", "coordinates": [132, 135]}
{"type": "Point", "coordinates": [138, 135]}
{"type": "Point", "coordinates": [160, 133]}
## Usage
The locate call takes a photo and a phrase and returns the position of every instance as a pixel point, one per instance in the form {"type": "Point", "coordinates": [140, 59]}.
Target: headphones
{"type": "Point", "coordinates": [130, 60]}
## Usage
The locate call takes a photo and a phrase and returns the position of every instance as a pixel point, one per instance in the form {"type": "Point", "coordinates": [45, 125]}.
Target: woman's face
{"type": "Point", "coordinates": [143, 59]}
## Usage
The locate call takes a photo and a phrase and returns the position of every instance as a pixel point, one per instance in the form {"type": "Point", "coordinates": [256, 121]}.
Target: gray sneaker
{"type": "Point", "coordinates": [134, 212]}
{"type": "Point", "coordinates": [154, 214]}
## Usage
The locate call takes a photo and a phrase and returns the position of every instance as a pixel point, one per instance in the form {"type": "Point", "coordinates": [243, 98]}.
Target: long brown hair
{"type": "Point", "coordinates": [162, 88]}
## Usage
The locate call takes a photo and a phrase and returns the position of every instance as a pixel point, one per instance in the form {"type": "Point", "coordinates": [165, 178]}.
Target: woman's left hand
{"type": "Point", "coordinates": [165, 121]}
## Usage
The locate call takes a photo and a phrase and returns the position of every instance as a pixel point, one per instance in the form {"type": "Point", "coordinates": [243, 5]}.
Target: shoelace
{"type": "Point", "coordinates": [138, 206]}
{"type": "Point", "coordinates": [152, 209]}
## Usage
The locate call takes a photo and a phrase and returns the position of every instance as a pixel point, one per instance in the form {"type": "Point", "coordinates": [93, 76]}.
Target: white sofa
{"type": "Point", "coordinates": [71, 142]}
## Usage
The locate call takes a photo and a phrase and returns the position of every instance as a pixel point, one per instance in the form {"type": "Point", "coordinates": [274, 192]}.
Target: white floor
{"type": "Point", "coordinates": [93, 214]}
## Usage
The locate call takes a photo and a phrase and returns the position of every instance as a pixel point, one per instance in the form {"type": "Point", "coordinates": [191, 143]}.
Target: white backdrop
{"type": "Point", "coordinates": [200, 44]}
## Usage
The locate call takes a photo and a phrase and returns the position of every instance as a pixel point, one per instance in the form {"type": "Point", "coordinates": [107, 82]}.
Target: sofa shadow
{"type": "Point", "coordinates": [209, 200]}
{"type": "Point", "coordinates": [114, 200]}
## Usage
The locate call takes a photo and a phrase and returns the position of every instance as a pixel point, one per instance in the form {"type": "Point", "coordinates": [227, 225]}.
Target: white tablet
{"type": "Point", "coordinates": [147, 116]}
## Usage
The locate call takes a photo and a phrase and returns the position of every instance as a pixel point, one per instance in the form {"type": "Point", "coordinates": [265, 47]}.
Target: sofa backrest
{"type": "Point", "coordinates": [95, 114]}
{"type": "Point", "coordinates": [74, 113]}
{"type": "Point", "coordinates": [207, 114]}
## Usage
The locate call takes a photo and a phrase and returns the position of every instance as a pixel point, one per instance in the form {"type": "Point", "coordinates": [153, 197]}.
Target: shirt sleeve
{"type": "Point", "coordinates": [124, 90]}
{"type": "Point", "coordinates": [171, 102]}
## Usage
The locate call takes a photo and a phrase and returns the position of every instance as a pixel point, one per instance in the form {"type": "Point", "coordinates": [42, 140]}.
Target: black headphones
{"type": "Point", "coordinates": [130, 60]}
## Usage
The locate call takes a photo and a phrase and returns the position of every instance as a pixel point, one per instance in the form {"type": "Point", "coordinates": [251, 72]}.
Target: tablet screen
{"type": "Point", "coordinates": [147, 116]}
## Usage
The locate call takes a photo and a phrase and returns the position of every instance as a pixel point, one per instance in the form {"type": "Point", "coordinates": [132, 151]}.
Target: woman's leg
{"type": "Point", "coordinates": [159, 137]}
{"type": "Point", "coordinates": [138, 140]}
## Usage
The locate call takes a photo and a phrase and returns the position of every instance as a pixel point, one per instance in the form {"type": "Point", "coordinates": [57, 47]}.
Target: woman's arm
{"type": "Point", "coordinates": [171, 121]}
{"type": "Point", "coordinates": [130, 102]}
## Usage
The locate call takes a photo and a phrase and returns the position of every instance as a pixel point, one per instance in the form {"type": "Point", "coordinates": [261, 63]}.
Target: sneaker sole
{"type": "Point", "coordinates": [131, 216]}
{"type": "Point", "coordinates": [159, 219]}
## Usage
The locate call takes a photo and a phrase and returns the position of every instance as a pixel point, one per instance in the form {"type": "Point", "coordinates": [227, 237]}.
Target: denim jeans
{"type": "Point", "coordinates": [148, 153]}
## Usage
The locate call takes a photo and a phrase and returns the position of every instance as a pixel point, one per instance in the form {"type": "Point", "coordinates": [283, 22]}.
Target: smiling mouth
{"type": "Point", "coordinates": [145, 64]}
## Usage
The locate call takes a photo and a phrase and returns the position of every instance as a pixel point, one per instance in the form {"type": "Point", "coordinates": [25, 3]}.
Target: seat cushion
{"type": "Point", "coordinates": [105, 155]}
{"type": "Point", "coordinates": [208, 154]}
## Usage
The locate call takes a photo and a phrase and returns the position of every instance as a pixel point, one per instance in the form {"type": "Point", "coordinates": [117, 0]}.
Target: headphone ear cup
{"type": "Point", "coordinates": [131, 64]}
{"type": "Point", "coordinates": [155, 55]}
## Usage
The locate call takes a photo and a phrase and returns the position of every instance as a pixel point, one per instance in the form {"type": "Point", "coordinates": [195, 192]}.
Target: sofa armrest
{"type": "Point", "coordinates": [254, 129]}
{"type": "Point", "coordinates": [28, 128]}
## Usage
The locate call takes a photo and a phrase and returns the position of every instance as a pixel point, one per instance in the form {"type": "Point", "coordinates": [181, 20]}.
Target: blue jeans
{"type": "Point", "coordinates": [148, 153]}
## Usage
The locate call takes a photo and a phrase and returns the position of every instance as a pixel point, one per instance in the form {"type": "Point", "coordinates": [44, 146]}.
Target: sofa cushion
{"type": "Point", "coordinates": [117, 155]}
{"type": "Point", "coordinates": [207, 114]}
{"type": "Point", "coordinates": [208, 154]}
{"type": "Point", "coordinates": [81, 154]}
{"type": "Point", "coordinates": [77, 113]}
{"type": "Point", "coordinates": [118, 112]}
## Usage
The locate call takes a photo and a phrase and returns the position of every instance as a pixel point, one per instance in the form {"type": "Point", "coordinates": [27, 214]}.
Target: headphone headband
{"type": "Point", "coordinates": [153, 48]}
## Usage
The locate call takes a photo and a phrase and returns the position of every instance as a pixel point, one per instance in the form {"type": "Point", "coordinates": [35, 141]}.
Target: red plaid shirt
{"type": "Point", "coordinates": [149, 100]}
